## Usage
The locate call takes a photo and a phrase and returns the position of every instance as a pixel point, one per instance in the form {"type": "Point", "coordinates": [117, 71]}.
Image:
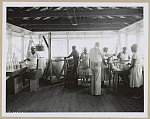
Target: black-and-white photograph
{"type": "Point", "coordinates": [77, 58]}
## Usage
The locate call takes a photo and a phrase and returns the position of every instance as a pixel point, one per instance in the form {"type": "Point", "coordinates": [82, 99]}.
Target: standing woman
{"type": "Point", "coordinates": [84, 69]}
{"type": "Point", "coordinates": [136, 77]}
{"type": "Point", "coordinates": [84, 59]}
{"type": "Point", "coordinates": [104, 75]}
{"type": "Point", "coordinates": [95, 65]}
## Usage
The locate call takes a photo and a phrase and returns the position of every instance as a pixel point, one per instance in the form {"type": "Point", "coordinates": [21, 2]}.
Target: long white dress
{"type": "Point", "coordinates": [84, 60]}
{"type": "Point", "coordinates": [136, 77]}
{"type": "Point", "coordinates": [95, 65]}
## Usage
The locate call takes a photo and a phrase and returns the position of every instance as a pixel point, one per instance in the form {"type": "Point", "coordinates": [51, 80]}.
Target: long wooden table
{"type": "Point", "coordinates": [13, 72]}
{"type": "Point", "coordinates": [14, 82]}
{"type": "Point", "coordinates": [114, 75]}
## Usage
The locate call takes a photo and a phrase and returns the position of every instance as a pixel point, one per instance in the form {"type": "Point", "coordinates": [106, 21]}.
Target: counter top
{"type": "Point", "coordinates": [14, 72]}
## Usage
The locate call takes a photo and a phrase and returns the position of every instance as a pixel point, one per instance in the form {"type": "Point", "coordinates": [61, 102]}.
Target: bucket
{"type": "Point", "coordinates": [58, 63]}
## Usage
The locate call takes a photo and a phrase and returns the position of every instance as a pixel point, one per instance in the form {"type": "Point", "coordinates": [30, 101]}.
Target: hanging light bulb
{"type": "Point", "coordinates": [40, 47]}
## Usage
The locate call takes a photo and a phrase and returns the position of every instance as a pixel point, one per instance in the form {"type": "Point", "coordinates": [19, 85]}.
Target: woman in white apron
{"type": "Point", "coordinates": [136, 76]}
{"type": "Point", "coordinates": [84, 65]}
{"type": "Point", "coordinates": [104, 75]}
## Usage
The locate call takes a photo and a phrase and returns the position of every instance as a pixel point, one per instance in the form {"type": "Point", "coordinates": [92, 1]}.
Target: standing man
{"type": "Point", "coordinates": [32, 58]}
{"type": "Point", "coordinates": [95, 65]}
{"type": "Point", "coordinates": [75, 55]}
{"type": "Point", "coordinates": [32, 66]}
{"type": "Point", "coordinates": [123, 55]}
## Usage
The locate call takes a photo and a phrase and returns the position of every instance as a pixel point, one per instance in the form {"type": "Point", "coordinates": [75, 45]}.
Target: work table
{"type": "Point", "coordinates": [14, 83]}
{"type": "Point", "coordinates": [13, 72]}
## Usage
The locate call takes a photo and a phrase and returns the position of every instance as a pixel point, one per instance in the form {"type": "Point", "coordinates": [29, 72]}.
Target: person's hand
{"type": "Point", "coordinates": [129, 64]}
{"type": "Point", "coordinates": [127, 70]}
{"type": "Point", "coordinates": [21, 62]}
{"type": "Point", "coordinates": [28, 59]}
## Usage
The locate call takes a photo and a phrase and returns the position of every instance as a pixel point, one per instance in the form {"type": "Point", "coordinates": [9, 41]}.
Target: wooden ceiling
{"type": "Point", "coordinates": [73, 18]}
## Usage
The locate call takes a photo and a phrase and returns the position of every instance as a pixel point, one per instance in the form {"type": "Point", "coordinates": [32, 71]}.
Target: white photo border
{"type": "Point", "coordinates": [76, 114]}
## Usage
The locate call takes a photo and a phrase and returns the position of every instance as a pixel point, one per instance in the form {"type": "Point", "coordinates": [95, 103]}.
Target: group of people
{"type": "Point", "coordinates": [97, 62]}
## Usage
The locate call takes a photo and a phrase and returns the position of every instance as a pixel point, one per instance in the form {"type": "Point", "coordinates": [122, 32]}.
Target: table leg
{"type": "Point", "coordinates": [109, 86]}
{"type": "Point", "coordinates": [116, 83]}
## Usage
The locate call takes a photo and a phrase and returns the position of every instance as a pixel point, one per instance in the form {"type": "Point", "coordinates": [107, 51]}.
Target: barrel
{"type": "Point", "coordinates": [71, 81]}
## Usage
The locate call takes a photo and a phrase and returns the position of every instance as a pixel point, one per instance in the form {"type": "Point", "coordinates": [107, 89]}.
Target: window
{"type": "Point", "coordinates": [26, 43]}
{"type": "Point", "coordinates": [59, 48]}
{"type": "Point", "coordinates": [16, 47]}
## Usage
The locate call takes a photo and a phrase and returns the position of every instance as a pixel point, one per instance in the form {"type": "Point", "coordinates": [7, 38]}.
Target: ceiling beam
{"type": "Point", "coordinates": [79, 21]}
{"type": "Point", "coordinates": [83, 13]}
{"type": "Point", "coordinates": [73, 28]}
{"type": "Point", "coordinates": [70, 26]}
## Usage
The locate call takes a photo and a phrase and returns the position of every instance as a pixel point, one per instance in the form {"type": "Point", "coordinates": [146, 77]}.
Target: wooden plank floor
{"type": "Point", "coordinates": [58, 99]}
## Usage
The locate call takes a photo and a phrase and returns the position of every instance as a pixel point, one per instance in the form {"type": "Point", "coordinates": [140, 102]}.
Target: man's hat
{"type": "Point", "coordinates": [33, 47]}
{"type": "Point", "coordinates": [124, 48]}
{"type": "Point", "coordinates": [74, 47]}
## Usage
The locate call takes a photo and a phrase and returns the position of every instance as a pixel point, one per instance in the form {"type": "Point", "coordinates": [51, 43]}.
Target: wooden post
{"type": "Point", "coordinates": [126, 37]}
{"type": "Point", "coordinates": [45, 41]}
{"type": "Point", "coordinates": [9, 40]}
{"type": "Point", "coordinates": [67, 44]}
{"type": "Point", "coordinates": [119, 41]}
{"type": "Point", "coordinates": [137, 33]}
{"type": "Point", "coordinates": [49, 54]}
{"type": "Point", "coordinates": [101, 37]}
{"type": "Point", "coordinates": [22, 45]}
{"type": "Point", "coordinates": [84, 40]}
{"type": "Point", "coordinates": [30, 43]}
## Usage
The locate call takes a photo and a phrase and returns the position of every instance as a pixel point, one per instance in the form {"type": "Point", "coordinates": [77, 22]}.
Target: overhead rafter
{"type": "Point", "coordinates": [73, 18]}
{"type": "Point", "coordinates": [80, 20]}
{"type": "Point", "coordinates": [101, 12]}
{"type": "Point", "coordinates": [75, 29]}
{"type": "Point", "coordinates": [66, 27]}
